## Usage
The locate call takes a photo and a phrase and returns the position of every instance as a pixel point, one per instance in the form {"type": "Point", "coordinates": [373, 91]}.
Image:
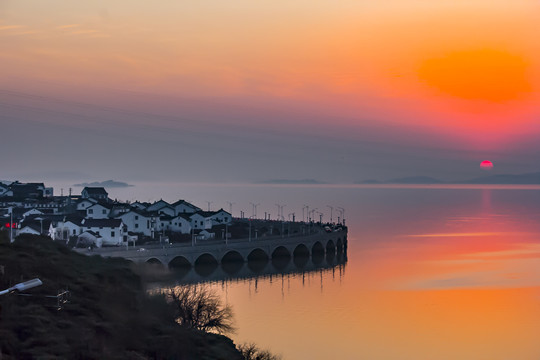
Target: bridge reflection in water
{"type": "Point", "coordinates": [236, 269]}
{"type": "Point", "coordinates": [241, 257]}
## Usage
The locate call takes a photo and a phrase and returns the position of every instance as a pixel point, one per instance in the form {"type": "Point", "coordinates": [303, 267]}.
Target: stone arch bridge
{"type": "Point", "coordinates": [178, 255]}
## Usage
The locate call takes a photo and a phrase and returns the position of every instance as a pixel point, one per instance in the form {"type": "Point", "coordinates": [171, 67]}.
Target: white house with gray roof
{"type": "Point", "coordinates": [180, 224]}
{"type": "Point", "coordinates": [184, 207]}
{"type": "Point", "coordinates": [138, 222]}
{"type": "Point", "coordinates": [111, 231]}
{"type": "Point", "coordinates": [98, 211]}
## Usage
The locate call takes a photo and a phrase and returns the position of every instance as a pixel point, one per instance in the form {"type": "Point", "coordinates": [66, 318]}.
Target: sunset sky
{"type": "Point", "coordinates": [256, 90]}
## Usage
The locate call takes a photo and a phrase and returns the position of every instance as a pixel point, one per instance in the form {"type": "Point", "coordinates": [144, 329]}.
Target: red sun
{"type": "Point", "coordinates": [486, 165]}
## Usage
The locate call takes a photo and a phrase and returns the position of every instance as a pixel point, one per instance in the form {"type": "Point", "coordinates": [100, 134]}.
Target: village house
{"type": "Point", "coordinates": [199, 221]}
{"type": "Point", "coordinates": [180, 224]}
{"type": "Point", "coordinates": [83, 204]}
{"type": "Point", "coordinates": [140, 205]}
{"type": "Point", "coordinates": [110, 231]}
{"type": "Point", "coordinates": [157, 206]}
{"type": "Point", "coordinates": [29, 190]}
{"type": "Point", "coordinates": [4, 190]}
{"type": "Point", "coordinates": [137, 222]}
{"type": "Point", "coordinates": [97, 193]}
{"type": "Point", "coordinates": [183, 207]}
{"type": "Point", "coordinates": [98, 211]}
{"type": "Point", "coordinates": [66, 228]}
{"type": "Point", "coordinates": [220, 217]}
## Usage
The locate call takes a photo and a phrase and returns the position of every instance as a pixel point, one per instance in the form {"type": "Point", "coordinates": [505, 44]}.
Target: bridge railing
{"type": "Point", "coordinates": [200, 244]}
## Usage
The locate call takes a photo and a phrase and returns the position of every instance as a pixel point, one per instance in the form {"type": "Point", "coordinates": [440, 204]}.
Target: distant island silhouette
{"type": "Point", "coordinates": [291, 181]}
{"type": "Point", "coordinates": [105, 184]}
{"type": "Point", "coordinates": [503, 179]}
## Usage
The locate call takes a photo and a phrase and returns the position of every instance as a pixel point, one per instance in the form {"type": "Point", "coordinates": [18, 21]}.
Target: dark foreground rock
{"type": "Point", "coordinates": [108, 316]}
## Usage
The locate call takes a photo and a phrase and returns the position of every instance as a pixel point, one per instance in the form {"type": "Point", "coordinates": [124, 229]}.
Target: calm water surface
{"type": "Point", "coordinates": [436, 273]}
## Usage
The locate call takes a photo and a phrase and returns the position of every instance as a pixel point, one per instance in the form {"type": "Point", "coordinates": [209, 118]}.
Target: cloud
{"type": "Point", "coordinates": [106, 184]}
{"type": "Point", "coordinates": [68, 26]}
{"type": "Point", "coordinates": [10, 27]}
{"type": "Point", "coordinates": [83, 32]}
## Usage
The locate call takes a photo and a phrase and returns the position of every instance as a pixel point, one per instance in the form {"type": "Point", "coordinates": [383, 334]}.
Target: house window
{"type": "Point", "coordinates": [90, 211]}
{"type": "Point", "coordinates": [103, 211]}
{"type": "Point", "coordinates": [112, 233]}
{"type": "Point", "coordinates": [136, 217]}
{"type": "Point", "coordinates": [136, 226]}
{"type": "Point", "coordinates": [74, 232]}
{"type": "Point", "coordinates": [201, 223]}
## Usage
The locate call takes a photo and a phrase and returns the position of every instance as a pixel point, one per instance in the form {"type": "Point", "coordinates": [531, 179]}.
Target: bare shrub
{"type": "Point", "coordinates": [250, 351]}
{"type": "Point", "coordinates": [199, 308]}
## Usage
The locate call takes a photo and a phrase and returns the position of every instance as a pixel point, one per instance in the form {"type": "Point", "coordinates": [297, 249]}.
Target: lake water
{"type": "Point", "coordinates": [432, 273]}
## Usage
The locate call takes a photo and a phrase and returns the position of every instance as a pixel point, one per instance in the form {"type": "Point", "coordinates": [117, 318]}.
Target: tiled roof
{"type": "Point", "coordinates": [102, 222]}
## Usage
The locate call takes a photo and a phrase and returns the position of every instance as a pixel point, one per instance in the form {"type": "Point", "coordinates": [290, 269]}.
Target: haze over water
{"type": "Point", "coordinates": [432, 273]}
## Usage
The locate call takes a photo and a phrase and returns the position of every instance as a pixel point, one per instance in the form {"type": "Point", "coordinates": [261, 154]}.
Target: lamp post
{"type": "Point", "coordinates": [331, 213]}
{"type": "Point", "coordinates": [11, 225]}
{"type": "Point", "coordinates": [23, 286]}
{"type": "Point", "coordinates": [254, 208]}
{"type": "Point", "coordinates": [230, 206]}
{"type": "Point", "coordinates": [342, 215]}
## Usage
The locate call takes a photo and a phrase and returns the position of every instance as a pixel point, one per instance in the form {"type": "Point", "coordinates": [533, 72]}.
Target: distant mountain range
{"type": "Point", "coordinates": [507, 179]}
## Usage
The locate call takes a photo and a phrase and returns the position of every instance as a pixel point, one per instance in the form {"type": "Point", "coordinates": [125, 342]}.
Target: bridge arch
{"type": "Point", "coordinates": [281, 257]}
{"type": "Point", "coordinates": [232, 262]}
{"type": "Point", "coordinates": [330, 246]}
{"type": "Point", "coordinates": [232, 256]}
{"type": "Point", "coordinates": [281, 252]}
{"type": "Point", "coordinates": [317, 253]}
{"type": "Point", "coordinates": [317, 248]}
{"type": "Point", "coordinates": [339, 245]}
{"type": "Point", "coordinates": [154, 261]}
{"type": "Point", "coordinates": [257, 254]}
{"type": "Point", "coordinates": [301, 256]}
{"type": "Point", "coordinates": [206, 264]}
{"type": "Point", "coordinates": [179, 262]}
{"type": "Point", "coordinates": [301, 250]}
{"type": "Point", "coordinates": [205, 258]}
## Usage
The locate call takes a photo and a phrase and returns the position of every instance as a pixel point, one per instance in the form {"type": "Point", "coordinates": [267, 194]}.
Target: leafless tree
{"type": "Point", "coordinates": [199, 308]}
{"type": "Point", "coordinates": [250, 351]}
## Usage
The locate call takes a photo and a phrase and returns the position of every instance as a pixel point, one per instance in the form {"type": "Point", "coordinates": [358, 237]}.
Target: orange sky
{"type": "Point", "coordinates": [465, 72]}
{"type": "Point", "coordinates": [451, 58]}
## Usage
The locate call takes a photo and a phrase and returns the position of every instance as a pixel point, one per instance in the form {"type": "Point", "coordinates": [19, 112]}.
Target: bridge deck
{"type": "Point", "coordinates": [263, 246]}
